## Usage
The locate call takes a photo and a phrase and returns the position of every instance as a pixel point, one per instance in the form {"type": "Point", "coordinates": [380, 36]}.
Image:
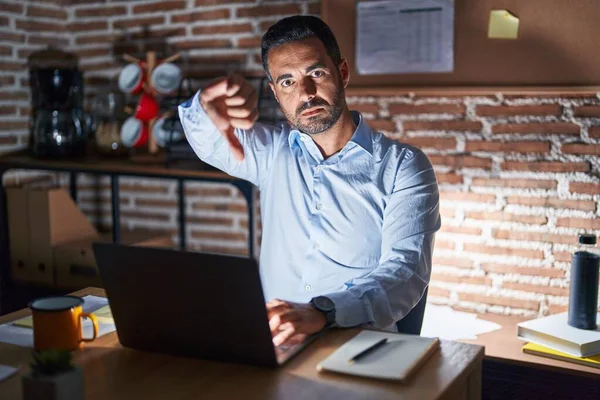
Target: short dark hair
{"type": "Point", "coordinates": [298, 27]}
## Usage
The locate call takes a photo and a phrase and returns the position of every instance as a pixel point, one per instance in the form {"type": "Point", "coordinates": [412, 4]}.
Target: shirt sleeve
{"type": "Point", "coordinates": [211, 147]}
{"type": "Point", "coordinates": [410, 221]}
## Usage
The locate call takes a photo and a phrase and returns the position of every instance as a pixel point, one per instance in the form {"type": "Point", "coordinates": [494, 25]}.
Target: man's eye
{"type": "Point", "coordinates": [316, 74]}
{"type": "Point", "coordinates": [286, 83]}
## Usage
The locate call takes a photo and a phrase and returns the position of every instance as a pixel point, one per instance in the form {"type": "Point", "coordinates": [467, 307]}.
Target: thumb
{"type": "Point", "coordinates": [234, 144]}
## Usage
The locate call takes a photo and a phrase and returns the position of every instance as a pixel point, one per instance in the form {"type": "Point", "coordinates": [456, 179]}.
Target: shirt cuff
{"type": "Point", "coordinates": [349, 309]}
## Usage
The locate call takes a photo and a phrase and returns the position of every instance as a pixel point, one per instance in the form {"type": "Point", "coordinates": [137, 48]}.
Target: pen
{"type": "Point", "coordinates": [368, 350]}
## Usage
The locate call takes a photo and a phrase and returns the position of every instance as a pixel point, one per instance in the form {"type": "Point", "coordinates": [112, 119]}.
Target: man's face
{"type": "Point", "coordinates": [307, 85]}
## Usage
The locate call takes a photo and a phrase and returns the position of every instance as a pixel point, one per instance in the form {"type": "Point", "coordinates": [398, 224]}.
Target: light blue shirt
{"type": "Point", "coordinates": [357, 227]}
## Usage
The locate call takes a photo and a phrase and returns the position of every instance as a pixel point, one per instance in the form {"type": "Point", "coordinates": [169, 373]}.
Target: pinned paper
{"type": "Point", "coordinates": [503, 25]}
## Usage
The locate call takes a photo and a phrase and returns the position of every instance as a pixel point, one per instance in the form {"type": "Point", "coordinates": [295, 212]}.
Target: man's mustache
{"type": "Point", "coordinates": [315, 102]}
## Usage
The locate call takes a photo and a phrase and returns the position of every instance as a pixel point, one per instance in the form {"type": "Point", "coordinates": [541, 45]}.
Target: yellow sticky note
{"type": "Point", "coordinates": [503, 25]}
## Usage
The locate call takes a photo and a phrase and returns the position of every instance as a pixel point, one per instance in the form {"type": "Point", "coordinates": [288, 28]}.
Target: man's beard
{"type": "Point", "coordinates": [322, 121]}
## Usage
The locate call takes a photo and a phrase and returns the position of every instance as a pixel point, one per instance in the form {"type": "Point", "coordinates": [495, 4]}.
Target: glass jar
{"type": "Point", "coordinates": [109, 114]}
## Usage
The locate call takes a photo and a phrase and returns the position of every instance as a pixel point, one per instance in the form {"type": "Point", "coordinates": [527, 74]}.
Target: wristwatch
{"type": "Point", "coordinates": [326, 306]}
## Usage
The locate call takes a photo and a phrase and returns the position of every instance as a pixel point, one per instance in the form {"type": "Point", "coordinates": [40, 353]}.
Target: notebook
{"type": "Point", "coordinates": [401, 356]}
{"type": "Point", "coordinates": [536, 349]}
{"type": "Point", "coordinates": [554, 332]}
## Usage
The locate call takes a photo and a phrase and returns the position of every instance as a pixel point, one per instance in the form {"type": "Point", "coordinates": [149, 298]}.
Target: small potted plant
{"type": "Point", "coordinates": [53, 377]}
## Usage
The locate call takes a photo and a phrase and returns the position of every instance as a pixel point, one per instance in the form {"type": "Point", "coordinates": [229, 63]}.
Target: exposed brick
{"type": "Point", "coordinates": [545, 166]}
{"type": "Point", "coordinates": [223, 28]}
{"type": "Point", "coordinates": [556, 308]}
{"type": "Point", "coordinates": [382, 125]}
{"type": "Point", "coordinates": [462, 230]}
{"type": "Point", "coordinates": [51, 40]}
{"type": "Point", "coordinates": [575, 148]}
{"type": "Point", "coordinates": [503, 251]}
{"type": "Point", "coordinates": [8, 140]}
{"type": "Point", "coordinates": [551, 290]}
{"type": "Point", "coordinates": [447, 212]}
{"type": "Point", "coordinates": [201, 16]}
{"type": "Point", "coordinates": [500, 301]}
{"type": "Point", "coordinates": [462, 196]}
{"type": "Point", "coordinates": [507, 111]}
{"type": "Point", "coordinates": [265, 25]}
{"type": "Point", "coordinates": [474, 280]}
{"type": "Point", "coordinates": [587, 111]}
{"type": "Point", "coordinates": [158, 33]}
{"type": "Point", "coordinates": [444, 244]}
{"type": "Point", "coordinates": [228, 235]}
{"type": "Point", "coordinates": [125, 187]}
{"type": "Point", "coordinates": [583, 223]}
{"type": "Point", "coordinates": [160, 203]}
{"type": "Point", "coordinates": [534, 236]}
{"type": "Point", "coordinates": [218, 59]}
{"type": "Point", "coordinates": [449, 178]}
{"type": "Point", "coordinates": [224, 191]}
{"type": "Point", "coordinates": [104, 11]}
{"type": "Point", "coordinates": [15, 95]}
{"type": "Point", "coordinates": [265, 11]}
{"type": "Point", "coordinates": [13, 125]}
{"type": "Point", "coordinates": [8, 110]}
{"type": "Point", "coordinates": [93, 39]}
{"type": "Point", "coordinates": [594, 132]}
{"type": "Point", "coordinates": [562, 256]}
{"type": "Point", "coordinates": [33, 11]}
{"type": "Point", "coordinates": [314, 8]}
{"type": "Point", "coordinates": [200, 3]}
{"type": "Point", "coordinates": [25, 53]}
{"type": "Point", "coordinates": [249, 43]}
{"type": "Point", "coordinates": [531, 271]}
{"type": "Point", "coordinates": [584, 187]}
{"type": "Point", "coordinates": [37, 26]}
{"type": "Point", "coordinates": [508, 217]}
{"type": "Point", "coordinates": [100, 66]}
{"type": "Point", "coordinates": [459, 262]}
{"type": "Point", "coordinates": [438, 143]}
{"type": "Point", "coordinates": [515, 183]}
{"type": "Point", "coordinates": [517, 147]}
{"type": "Point", "coordinates": [203, 44]}
{"type": "Point", "coordinates": [12, 37]}
{"type": "Point", "coordinates": [7, 80]}
{"type": "Point", "coordinates": [12, 8]}
{"type": "Point", "coordinates": [437, 292]}
{"type": "Point", "coordinates": [370, 108]}
{"type": "Point", "coordinates": [413, 109]}
{"type": "Point", "coordinates": [461, 161]}
{"type": "Point", "coordinates": [232, 207]}
{"type": "Point", "coordinates": [583, 205]}
{"type": "Point", "coordinates": [88, 26]}
{"type": "Point", "coordinates": [558, 128]}
{"type": "Point", "coordinates": [161, 6]}
{"type": "Point", "coordinates": [145, 215]}
{"type": "Point", "coordinates": [95, 52]}
{"type": "Point", "coordinates": [137, 22]}
{"type": "Point", "coordinates": [228, 221]}
{"type": "Point", "coordinates": [6, 50]}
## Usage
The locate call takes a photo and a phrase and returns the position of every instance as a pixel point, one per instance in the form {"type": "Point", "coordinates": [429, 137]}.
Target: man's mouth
{"type": "Point", "coordinates": [312, 111]}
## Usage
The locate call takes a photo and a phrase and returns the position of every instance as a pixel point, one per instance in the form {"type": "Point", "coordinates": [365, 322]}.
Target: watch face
{"type": "Point", "coordinates": [324, 303]}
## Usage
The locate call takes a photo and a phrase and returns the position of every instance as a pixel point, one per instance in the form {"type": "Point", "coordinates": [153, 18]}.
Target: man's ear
{"type": "Point", "coordinates": [344, 71]}
{"type": "Point", "coordinates": [273, 90]}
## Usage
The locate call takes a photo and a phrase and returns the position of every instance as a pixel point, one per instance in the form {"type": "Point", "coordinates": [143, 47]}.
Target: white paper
{"type": "Point", "coordinates": [22, 336]}
{"type": "Point", "coordinates": [6, 371]}
{"type": "Point", "coordinates": [405, 36]}
{"type": "Point", "coordinates": [447, 323]}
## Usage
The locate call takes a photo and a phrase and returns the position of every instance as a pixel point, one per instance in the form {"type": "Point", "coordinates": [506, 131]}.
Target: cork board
{"type": "Point", "coordinates": [558, 45]}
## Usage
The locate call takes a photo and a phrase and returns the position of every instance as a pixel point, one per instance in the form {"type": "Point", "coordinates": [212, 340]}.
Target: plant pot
{"type": "Point", "coordinates": [65, 386]}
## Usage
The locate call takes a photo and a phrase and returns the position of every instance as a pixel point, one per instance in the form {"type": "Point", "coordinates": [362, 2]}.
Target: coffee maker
{"type": "Point", "coordinates": [59, 125]}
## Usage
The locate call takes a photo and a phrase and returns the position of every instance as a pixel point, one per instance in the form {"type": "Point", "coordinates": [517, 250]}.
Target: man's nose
{"type": "Point", "coordinates": [308, 89]}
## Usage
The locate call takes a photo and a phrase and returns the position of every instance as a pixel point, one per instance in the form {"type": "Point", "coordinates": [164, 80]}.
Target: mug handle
{"type": "Point", "coordinates": [92, 317]}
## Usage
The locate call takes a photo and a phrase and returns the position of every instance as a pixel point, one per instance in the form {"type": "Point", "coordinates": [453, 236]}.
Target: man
{"type": "Point", "coordinates": [349, 216]}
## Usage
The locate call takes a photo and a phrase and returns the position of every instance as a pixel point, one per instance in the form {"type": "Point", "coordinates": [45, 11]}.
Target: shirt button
{"type": "Point", "coordinates": [319, 206]}
{"type": "Point", "coordinates": [303, 138]}
{"type": "Point", "coordinates": [316, 246]}
{"type": "Point", "coordinates": [307, 288]}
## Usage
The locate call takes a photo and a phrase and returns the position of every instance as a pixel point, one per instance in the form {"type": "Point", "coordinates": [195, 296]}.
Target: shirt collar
{"type": "Point", "coordinates": [363, 136]}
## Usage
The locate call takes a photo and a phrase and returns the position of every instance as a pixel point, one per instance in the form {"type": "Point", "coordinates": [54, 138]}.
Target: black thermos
{"type": "Point", "coordinates": [583, 294]}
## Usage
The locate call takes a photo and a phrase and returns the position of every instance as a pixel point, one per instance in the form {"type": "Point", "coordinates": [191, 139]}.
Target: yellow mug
{"type": "Point", "coordinates": [57, 323]}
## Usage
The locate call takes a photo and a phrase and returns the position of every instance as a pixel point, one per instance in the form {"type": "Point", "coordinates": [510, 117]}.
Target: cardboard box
{"type": "Point", "coordinates": [74, 261]}
{"type": "Point", "coordinates": [39, 219]}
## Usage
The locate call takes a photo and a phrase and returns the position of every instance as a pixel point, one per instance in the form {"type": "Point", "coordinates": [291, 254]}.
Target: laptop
{"type": "Point", "coordinates": [190, 304]}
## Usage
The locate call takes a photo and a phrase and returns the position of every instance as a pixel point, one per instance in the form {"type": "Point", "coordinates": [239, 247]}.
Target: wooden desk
{"type": "Point", "coordinates": [113, 372]}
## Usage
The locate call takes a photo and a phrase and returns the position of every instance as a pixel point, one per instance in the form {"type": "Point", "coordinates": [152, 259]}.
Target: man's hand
{"type": "Point", "coordinates": [287, 319]}
{"type": "Point", "coordinates": [230, 102]}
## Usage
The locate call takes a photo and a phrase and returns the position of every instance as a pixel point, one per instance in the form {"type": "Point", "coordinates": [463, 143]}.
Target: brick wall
{"type": "Point", "coordinates": [518, 172]}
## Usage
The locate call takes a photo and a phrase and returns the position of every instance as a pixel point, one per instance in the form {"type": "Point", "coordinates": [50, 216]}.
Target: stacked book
{"type": "Point", "coordinates": [553, 337]}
